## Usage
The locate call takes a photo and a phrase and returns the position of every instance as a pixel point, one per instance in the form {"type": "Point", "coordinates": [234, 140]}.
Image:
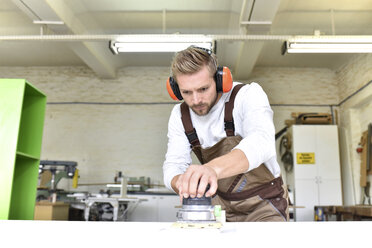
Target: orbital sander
{"type": "Point", "coordinates": [199, 213]}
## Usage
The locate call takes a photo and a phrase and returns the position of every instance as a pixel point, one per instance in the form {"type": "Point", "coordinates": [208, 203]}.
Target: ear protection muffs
{"type": "Point", "coordinates": [222, 77]}
{"type": "Point", "coordinates": [173, 90]}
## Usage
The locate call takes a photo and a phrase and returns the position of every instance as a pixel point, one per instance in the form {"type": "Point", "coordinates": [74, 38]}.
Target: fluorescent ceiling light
{"type": "Point", "coordinates": [49, 22]}
{"type": "Point", "coordinates": [328, 48]}
{"type": "Point", "coordinates": [331, 44]}
{"type": "Point", "coordinates": [159, 43]}
{"type": "Point", "coordinates": [156, 46]}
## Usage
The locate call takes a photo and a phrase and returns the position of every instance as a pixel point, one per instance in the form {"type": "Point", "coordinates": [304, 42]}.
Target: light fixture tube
{"type": "Point", "coordinates": [135, 43]}
{"type": "Point", "coordinates": [156, 47]}
{"type": "Point", "coordinates": [328, 45]}
{"type": "Point", "coordinates": [322, 50]}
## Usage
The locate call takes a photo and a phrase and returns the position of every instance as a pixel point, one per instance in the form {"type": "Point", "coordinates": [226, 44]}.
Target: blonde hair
{"type": "Point", "coordinates": [192, 60]}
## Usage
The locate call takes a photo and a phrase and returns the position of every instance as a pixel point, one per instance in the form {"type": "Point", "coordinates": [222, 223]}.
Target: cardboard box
{"type": "Point", "coordinates": [45, 210]}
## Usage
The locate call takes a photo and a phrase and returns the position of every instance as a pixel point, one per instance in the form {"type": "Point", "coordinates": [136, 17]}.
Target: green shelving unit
{"type": "Point", "coordinates": [22, 110]}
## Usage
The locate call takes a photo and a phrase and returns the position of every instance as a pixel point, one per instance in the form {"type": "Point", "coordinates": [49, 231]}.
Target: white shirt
{"type": "Point", "coordinates": [253, 120]}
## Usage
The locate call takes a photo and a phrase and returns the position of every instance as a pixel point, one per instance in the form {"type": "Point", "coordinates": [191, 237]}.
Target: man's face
{"type": "Point", "coordinates": [198, 90]}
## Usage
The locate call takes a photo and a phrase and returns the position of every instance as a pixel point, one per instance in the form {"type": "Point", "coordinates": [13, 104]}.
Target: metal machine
{"type": "Point", "coordinates": [58, 170]}
{"type": "Point", "coordinates": [199, 213]}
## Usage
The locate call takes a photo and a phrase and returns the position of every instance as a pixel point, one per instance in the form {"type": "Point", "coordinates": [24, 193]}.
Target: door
{"type": "Point", "coordinates": [306, 196]}
{"type": "Point", "coordinates": [330, 192]}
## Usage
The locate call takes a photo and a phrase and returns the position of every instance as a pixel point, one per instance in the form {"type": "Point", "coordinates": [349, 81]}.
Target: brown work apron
{"type": "Point", "coordinates": [252, 196]}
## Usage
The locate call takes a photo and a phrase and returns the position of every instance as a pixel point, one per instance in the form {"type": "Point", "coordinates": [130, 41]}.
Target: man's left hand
{"type": "Point", "coordinates": [195, 180]}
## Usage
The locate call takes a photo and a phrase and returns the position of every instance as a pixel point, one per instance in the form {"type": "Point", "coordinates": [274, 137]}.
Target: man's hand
{"type": "Point", "coordinates": [230, 164]}
{"type": "Point", "coordinates": [195, 180]}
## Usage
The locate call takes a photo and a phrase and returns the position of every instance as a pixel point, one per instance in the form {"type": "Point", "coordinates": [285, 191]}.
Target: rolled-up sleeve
{"type": "Point", "coordinates": [255, 125]}
{"type": "Point", "coordinates": [178, 156]}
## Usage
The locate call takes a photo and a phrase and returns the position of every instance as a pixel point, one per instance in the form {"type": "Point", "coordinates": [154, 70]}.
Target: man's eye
{"type": "Point", "coordinates": [186, 92]}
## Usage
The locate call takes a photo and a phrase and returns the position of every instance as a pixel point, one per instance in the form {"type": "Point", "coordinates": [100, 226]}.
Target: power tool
{"type": "Point", "coordinates": [199, 213]}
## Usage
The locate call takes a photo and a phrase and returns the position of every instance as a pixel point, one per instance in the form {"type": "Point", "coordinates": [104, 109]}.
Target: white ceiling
{"type": "Point", "coordinates": [223, 17]}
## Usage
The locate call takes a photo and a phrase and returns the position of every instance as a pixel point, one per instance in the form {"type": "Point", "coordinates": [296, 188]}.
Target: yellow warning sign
{"type": "Point", "coordinates": [305, 158]}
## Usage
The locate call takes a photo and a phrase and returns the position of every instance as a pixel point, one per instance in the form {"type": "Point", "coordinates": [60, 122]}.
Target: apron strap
{"type": "Point", "coordinates": [190, 131]}
{"type": "Point", "coordinates": [187, 124]}
{"type": "Point", "coordinates": [229, 106]}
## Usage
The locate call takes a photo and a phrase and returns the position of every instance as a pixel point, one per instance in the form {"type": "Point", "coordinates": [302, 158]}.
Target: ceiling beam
{"type": "Point", "coordinates": [92, 54]}
{"type": "Point", "coordinates": [97, 58]}
{"type": "Point", "coordinates": [262, 12]}
{"type": "Point", "coordinates": [228, 52]}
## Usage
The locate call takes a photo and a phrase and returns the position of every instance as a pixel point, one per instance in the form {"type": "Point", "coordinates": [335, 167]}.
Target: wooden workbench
{"type": "Point", "coordinates": [161, 234]}
{"type": "Point", "coordinates": [356, 213]}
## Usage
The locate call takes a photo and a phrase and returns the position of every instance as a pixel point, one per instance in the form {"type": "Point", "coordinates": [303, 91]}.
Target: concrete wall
{"type": "Point", "coordinates": [118, 125]}
{"type": "Point", "coordinates": [121, 125]}
{"type": "Point", "coordinates": [356, 114]}
{"type": "Point", "coordinates": [297, 90]}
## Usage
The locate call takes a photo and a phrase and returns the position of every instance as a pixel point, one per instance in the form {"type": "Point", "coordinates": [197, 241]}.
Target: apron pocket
{"type": "Point", "coordinates": [254, 209]}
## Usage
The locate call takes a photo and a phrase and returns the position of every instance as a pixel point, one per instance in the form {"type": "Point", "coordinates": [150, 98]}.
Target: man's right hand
{"type": "Point", "coordinates": [194, 181]}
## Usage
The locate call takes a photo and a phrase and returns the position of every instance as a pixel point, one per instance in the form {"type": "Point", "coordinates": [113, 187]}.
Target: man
{"type": "Point", "coordinates": [232, 134]}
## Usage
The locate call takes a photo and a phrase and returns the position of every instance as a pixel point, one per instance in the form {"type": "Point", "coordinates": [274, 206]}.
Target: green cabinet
{"type": "Point", "coordinates": [22, 110]}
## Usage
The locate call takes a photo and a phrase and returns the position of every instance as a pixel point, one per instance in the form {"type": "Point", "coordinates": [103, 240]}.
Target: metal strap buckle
{"type": "Point", "coordinates": [229, 125]}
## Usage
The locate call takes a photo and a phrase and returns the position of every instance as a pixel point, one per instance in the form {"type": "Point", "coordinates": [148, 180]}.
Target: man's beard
{"type": "Point", "coordinates": [203, 111]}
{"type": "Point", "coordinates": [206, 107]}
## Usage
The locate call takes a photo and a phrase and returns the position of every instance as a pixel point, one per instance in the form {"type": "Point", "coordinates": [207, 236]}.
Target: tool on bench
{"type": "Point", "coordinates": [199, 213]}
{"type": "Point", "coordinates": [58, 170]}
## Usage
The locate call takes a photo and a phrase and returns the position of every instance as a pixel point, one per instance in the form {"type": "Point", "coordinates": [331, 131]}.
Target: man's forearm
{"type": "Point", "coordinates": [233, 163]}
{"type": "Point", "coordinates": [228, 165]}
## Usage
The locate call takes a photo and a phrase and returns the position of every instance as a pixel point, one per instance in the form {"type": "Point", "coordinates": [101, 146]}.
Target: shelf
{"type": "Point", "coordinates": [24, 155]}
{"type": "Point", "coordinates": [32, 121]}
{"type": "Point", "coordinates": [24, 187]}
{"type": "Point", "coordinates": [22, 109]}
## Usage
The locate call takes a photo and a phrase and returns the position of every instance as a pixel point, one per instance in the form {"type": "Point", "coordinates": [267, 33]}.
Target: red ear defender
{"type": "Point", "coordinates": [173, 89]}
{"type": "Point", "coordinates": [223, 79]}
{"type": "Point", "coordinates": [227, 80]}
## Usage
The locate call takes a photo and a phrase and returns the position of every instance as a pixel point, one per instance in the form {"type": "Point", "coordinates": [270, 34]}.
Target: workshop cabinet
{"type": "Point", "coordinates": [316, 170]}
{"type": "Point", "coordinates": [156, 208]}
{"type": "Point", "coordinates": [22, 109]}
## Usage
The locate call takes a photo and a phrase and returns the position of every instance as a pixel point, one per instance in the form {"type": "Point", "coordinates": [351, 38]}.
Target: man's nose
{"type": "Point", "coordinates": [196, 98]}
